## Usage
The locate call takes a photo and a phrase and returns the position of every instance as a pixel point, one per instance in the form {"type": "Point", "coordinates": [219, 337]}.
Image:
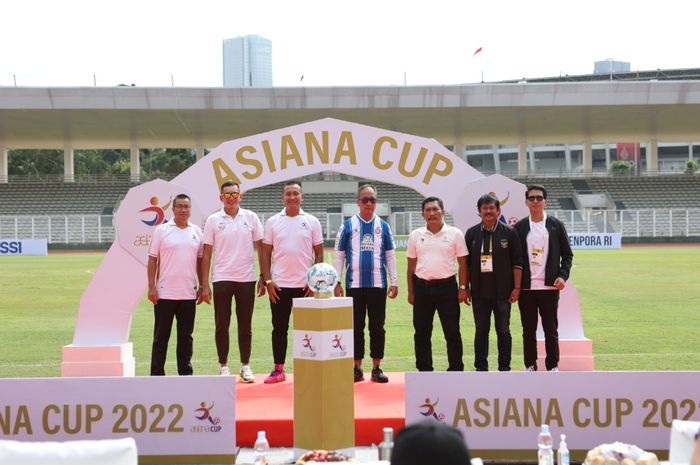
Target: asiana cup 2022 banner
{"type": "Point", "coordinates": [500, 417]}
{"type": "Point", "coordinates": [194, 416]}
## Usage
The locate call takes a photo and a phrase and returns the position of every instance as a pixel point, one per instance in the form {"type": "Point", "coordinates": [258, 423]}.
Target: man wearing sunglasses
{"type": "Point", "coordinates": [545, 271]}
{"type": "Point", "coordinates": [365, 245]}
{"type": "Point", "coordinates": [231, 235]}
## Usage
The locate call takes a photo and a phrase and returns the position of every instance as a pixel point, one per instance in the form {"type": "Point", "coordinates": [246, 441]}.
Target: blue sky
{"type": "Point", "coordinates": [51, 43]}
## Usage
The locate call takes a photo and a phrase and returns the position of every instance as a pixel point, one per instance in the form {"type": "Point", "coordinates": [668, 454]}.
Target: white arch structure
{"type": "Point", "coordinates": [100, 343]}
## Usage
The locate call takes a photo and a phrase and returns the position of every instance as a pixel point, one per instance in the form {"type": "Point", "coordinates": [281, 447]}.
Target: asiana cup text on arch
{"type": "Point", "coordinates": [388, 153]}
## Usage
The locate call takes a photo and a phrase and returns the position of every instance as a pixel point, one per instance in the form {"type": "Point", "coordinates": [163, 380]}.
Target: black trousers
{"type": "Point", "coordinates": [369, 302]}
{"type": "Point", "coordinates": [482, 309]}
{"type": "Point", "coordinates": [165, 311]}
{"type": "Point", "coordinates": [545, 303]}
{"type": "Point", "coordinates": [281, 311]}
{"type": "Point", "coordinates": [224, 292]}
{"type": "Point", "coordinates": [427, 298]}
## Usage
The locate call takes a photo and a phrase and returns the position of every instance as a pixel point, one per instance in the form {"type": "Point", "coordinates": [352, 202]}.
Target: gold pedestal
{"type": "Point", "coordinates": [324, 407]}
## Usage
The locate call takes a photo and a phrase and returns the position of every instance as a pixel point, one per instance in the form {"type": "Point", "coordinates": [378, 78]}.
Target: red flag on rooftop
{"type": "Point", "coordinates": [478, 50]}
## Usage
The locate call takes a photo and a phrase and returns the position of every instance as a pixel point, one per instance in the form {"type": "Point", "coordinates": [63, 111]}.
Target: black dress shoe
{"type": "Point", "coordinates": [359, 376]}
{"type": "Point", "coordinates": [378, 376]}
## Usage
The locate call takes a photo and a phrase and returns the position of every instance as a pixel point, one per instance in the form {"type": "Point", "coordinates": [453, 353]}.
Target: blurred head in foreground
{"type": "Point", "coordinates": [430, 442]}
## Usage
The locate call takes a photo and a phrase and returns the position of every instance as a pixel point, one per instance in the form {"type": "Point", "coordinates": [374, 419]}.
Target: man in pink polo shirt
{"type": "Point", "coordinates": [434, 284]}
{"type": "Point", "coordinates": [293, 242]}
{"type": "Point", "coordinates": [173, 270]}
{"type": "Point", "coordinates": [232, 234]}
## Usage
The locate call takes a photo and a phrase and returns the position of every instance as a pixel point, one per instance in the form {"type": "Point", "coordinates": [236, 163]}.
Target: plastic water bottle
{"type": "Point", "coordinates": [563, 452]}
{"type": "Point", "coordinates": [261, 448]}
{"type": "Point", "coordinates": [387, 444]}
{"type": "Point", "coordinates": [545, 455]}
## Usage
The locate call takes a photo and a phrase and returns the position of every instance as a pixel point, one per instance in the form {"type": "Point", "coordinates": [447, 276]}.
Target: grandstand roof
{"type": "Point", "coordinates": [492, 113]}
{"type": "Point", "coordinates": [682, 74]}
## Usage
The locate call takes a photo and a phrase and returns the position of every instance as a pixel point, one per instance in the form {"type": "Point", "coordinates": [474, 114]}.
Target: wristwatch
{"type": "Point", "coordinates": [463, 287]}
{"type": "Point", "coordinates": [268, 282]}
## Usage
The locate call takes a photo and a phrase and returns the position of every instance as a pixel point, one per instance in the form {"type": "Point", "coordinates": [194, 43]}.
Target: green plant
{"type": "Point", "coordinates": [620, 167]}
{"type": "Point", "coordinates": [691, 166]}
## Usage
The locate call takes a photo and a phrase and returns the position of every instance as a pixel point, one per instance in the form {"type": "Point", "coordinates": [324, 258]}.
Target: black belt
{"type": "Point", "coordinates": [435, 282]}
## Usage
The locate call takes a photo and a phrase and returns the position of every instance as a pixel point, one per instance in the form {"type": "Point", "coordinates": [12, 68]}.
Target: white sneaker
{"type": "Point", "coordinates": [224, 371]}
{"type": "Point", "coordinates": [531, 368]}
{"type": "Point", "coordinates": [554, 369]}
{"type": "Point", "coordinates": [246, 374]}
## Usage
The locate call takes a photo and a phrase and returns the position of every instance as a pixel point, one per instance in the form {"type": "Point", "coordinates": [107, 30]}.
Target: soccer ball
{"type": "Point", "coordinates": [321, 278]}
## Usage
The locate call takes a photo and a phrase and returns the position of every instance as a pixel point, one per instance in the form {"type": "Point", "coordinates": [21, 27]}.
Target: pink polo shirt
{"type": "Point", "coordinates": [436, 253]}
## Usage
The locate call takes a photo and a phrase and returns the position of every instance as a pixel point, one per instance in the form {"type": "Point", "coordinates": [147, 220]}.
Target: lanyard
{"type": "Point", "coordinates": [490, 248]}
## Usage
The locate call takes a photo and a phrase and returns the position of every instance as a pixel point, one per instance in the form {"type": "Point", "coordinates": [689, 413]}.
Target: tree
{"type": "Point", "coordinates": [154, 162]}
{"type": "Point", "coordinates": [691, 166]}
{"type": "Point", "coordinates": [35, 162]}
{"type": "Point", "coordinates": [101, 162]}
{"type": "Point", "coordinates": [90, 162]}
{"type": "Point", "coordinates": [166, 162]}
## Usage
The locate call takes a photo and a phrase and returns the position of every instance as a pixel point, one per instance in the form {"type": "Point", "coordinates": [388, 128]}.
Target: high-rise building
{"type": "Point", "coordinates": [247, 62]}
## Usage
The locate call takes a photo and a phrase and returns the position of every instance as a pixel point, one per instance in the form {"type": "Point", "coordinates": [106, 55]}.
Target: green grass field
{"type": "Point", "coordinates": [640, 306]}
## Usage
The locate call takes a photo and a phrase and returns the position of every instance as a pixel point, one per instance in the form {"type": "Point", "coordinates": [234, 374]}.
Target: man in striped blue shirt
{"type": "Point", "coordinates": [364, 247]}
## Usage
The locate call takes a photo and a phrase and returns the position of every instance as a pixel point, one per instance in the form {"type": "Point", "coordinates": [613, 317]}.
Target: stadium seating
{"type": "Point", "coordinates": [651, 192]}
{"type": "Point", "coordinates": [95, 198]}
{"type": "Point", "coordinates": [268, 199]}
{"type": "Point", "coordinates": [634, 192]}
{"type": "Point", "coordinates": [59, 198]}
{"type": "Point", "coordinates": [80, 212]}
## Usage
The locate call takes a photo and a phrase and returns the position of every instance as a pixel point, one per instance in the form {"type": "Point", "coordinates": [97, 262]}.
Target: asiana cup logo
{"type": "Point", "coordinates": [154, 216]}
{"type": "Point", "coordinates": [338, 346]}
{"type": "Point", "coordinates": [308, 349]}
{"type": "Point", "coordinates": [158, 212]}
{"type": "Point", "coordinates": [143, 209]}
{"type": "Point", "coordinates": [208, 423]}
{"type": "Point", "coordinates": [429, 409]}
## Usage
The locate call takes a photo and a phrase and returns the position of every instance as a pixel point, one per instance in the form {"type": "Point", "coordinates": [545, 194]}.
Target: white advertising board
{"type": "Point", "coordinates": [192, 416]}
{"type": "Point", "coordinates": [23, 247]}
{"type": "Point", "coordinates": [500, 413]}
{"type": "Point", "coordinates": [595, 240]}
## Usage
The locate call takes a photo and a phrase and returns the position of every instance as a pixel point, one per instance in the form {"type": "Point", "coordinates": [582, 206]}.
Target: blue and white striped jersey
{"type": "Point", "coordinates": [363, 245]}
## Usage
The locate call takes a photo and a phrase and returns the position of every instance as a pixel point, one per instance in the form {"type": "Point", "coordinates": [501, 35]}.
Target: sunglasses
{"type": "Point", "coordinates": [534, 198]}
{"type": "Point", "coordinates": [368, 199]}
{"type": "Point", "coordinates": [231, 195]}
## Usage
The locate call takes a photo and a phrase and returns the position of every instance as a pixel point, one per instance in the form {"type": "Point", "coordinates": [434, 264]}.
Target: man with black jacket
{"type": "Point", "coordinates": [495, 268]}
{"type": "Point", "coordinates": [545, 271]}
